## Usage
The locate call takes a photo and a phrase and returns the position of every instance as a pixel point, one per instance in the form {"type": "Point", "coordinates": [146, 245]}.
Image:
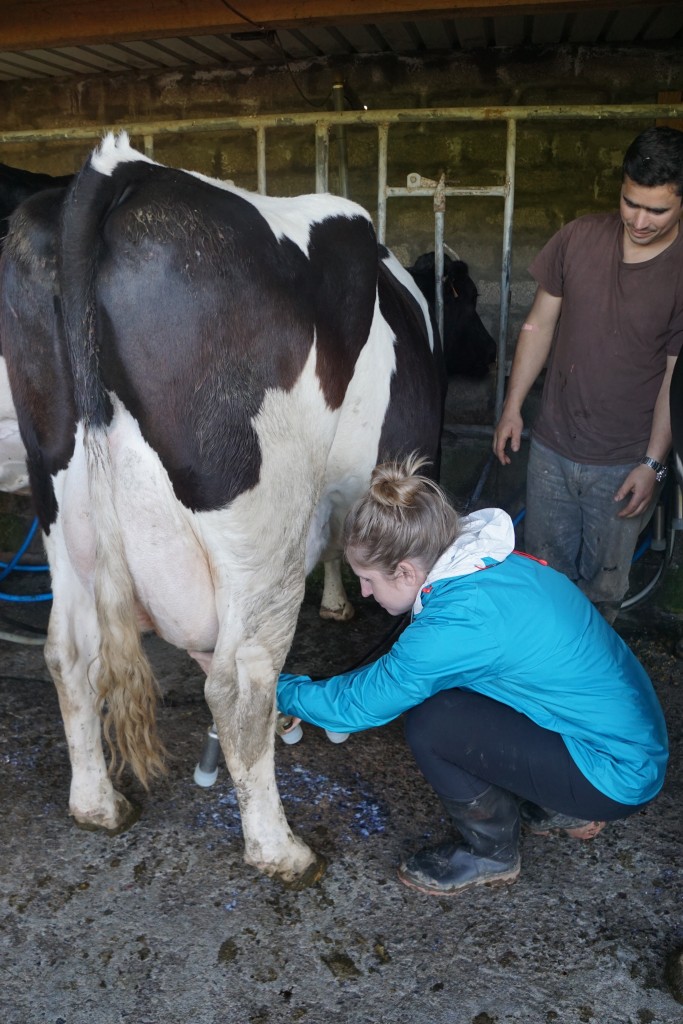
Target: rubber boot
{"type": "Point", "coordinates": [542, 822]}
{"type": "Point", "coordinates": [487, 855]}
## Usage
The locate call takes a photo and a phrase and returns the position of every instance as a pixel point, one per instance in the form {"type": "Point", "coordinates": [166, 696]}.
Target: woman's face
{"type": "Point", "coordinates": [396, 593]}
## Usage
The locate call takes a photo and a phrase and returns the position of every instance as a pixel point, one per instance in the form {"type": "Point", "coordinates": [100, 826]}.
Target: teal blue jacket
{"type": "Point", "coordinates": [525, 635]}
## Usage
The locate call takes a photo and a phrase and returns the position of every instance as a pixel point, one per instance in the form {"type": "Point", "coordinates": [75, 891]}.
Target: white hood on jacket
{"type": "Point", "coordinates": [486, 537]}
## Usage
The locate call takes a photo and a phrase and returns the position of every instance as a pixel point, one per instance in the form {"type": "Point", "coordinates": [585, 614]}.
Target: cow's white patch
{"type": "Point", "coordinates": [406, 279]}
{"type": "Point", "coordinates": [166, 559]}
{"type": "Point", "coordinates": [114, 150]}
{"type": "Point", "coordinates": [353, 455]}
{"type": "Point", "coordinates": [296, 430]}
{"type": "Point", "coordinates": [293, 216]}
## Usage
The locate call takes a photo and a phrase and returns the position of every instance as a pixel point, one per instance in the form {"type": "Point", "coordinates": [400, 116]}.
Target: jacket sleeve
{"type": "Point", "coordinates": [367, 697]}
{"type": "Point", "coordinates": [422, 662]}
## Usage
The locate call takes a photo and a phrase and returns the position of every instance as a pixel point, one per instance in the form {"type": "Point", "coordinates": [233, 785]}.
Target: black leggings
{"type": "Point", "coordinates": [463, 742]}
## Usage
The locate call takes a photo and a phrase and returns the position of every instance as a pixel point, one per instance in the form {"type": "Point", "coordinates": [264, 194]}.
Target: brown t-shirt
{"type": "Point", "coordinates": [618, 323]}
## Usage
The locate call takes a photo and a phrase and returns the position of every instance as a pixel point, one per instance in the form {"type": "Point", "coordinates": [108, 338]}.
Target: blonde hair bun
{"type": "Point", "coordinates": [404, 515]}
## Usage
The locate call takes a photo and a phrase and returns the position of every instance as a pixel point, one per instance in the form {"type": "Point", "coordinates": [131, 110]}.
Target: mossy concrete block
{"type": "Point", "coordinates": [12, 532]}
{"type": "Point", "coordinates": [16, 517]}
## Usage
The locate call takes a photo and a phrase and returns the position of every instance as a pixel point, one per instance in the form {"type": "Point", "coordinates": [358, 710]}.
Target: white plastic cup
{"type": "Point", "coordinates": [203, 778]}
{"type": "Point", "coordinates": [293, 736]}
{"type": "Point", "coordinates": [337, 737]}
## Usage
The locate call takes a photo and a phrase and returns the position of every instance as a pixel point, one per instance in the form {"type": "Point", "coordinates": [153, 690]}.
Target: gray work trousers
{"type": "Point", "coordinates": [571, 522]}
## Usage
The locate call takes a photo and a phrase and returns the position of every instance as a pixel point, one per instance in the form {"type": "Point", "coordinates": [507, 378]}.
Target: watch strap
{"type": "Point", "coordinates": [659, 467]}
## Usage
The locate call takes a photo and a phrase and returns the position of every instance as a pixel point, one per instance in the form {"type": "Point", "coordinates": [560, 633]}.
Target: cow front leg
{"type": "Point", "coordinates": [335, 604]}
{"type": "Point", "coordinates": [71, 656]}
{"type": "Point", "coordinates": [242, 705]}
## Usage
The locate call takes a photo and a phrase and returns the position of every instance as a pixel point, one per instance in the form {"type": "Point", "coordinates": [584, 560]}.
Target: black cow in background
{"type": "Point", "coordinates": [468, 347]}
{"type": "Point", "coordinates": [16, 185]}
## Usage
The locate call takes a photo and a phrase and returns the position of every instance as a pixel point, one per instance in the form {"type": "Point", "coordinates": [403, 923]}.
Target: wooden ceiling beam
{"type": "Point", "coordinates": [33, 24]}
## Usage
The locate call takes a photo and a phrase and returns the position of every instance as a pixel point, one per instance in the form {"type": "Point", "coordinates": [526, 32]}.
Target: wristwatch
{"type": "Point", "coordinates": [659, 467]}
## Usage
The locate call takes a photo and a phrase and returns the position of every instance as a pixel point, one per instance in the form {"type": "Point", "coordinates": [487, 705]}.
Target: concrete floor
{"type": "Point", "coordinates": [166, 925]}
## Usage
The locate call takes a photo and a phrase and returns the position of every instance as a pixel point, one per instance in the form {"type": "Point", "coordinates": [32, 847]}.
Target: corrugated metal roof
{"type": "Point", "coordinates": [419, 36]}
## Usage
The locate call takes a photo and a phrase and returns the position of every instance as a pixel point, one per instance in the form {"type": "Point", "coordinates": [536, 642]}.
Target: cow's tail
{"type": "Point", "coordinates": [127, 689]}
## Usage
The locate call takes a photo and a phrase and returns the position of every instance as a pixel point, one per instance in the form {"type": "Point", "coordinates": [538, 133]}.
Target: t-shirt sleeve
{"type": "Point", "coordinates": [547, 269]}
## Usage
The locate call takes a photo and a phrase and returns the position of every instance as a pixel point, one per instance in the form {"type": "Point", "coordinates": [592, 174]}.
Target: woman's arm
{"type": "Point", "coordinates": [362, 699]}
{"type": "Point", "coordinates": [446, 648]}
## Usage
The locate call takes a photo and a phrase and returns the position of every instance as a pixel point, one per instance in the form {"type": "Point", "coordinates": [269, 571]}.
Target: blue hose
{"type": "Point", "coordinates": [518, 518]}
{"type": "Point", "coordinates": [14, 566]}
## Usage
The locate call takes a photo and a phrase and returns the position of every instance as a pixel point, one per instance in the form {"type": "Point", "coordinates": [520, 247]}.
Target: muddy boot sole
{"type": "Point", "coordinates": [506, 877]}
{"type": "Point", "coordinates": [590, 830]}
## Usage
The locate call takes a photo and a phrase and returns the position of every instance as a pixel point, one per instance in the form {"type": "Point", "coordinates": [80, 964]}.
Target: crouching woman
{"type": "Point", "coordinates": [522, 703]}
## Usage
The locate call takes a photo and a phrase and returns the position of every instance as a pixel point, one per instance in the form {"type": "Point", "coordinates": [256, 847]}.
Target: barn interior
{"type": "Point", "coordinates": [479, 126]}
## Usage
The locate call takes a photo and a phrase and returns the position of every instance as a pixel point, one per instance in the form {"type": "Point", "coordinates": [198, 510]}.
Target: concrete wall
{"type": "Point", "coordinates": [563, 168]}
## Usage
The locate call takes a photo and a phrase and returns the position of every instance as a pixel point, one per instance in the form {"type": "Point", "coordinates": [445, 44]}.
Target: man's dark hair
{"type": "Point", "coordinates": [654, 158]}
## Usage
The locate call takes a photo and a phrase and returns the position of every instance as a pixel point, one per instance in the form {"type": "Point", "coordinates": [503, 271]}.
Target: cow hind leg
{"type": "Point", "coordinates": [335, 604]}
{"type": "Point", "coordinates": [71, 654]}
{"type": "Point", "coordinates": [244, 713]}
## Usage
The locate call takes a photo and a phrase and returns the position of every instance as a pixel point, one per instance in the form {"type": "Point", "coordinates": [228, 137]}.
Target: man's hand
{"type": "Point", "coordinates": [509, 428]}
{"type": "Point", "coordinates": [640, 485]}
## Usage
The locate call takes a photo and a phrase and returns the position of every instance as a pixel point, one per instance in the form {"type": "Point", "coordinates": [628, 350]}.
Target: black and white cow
{"type": "Point", "coordinates": [204, 380]}
{"type": "Point", "coordinates": [468, 347]}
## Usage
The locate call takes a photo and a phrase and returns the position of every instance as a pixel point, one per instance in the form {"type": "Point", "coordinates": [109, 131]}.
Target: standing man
{"type": "Point", "coordinates": [608, 318]}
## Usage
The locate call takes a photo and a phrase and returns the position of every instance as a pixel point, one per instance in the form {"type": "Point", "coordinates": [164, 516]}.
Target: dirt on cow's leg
{"type": "Point", "coordinates": [127, 813]}
{"type": "Point", "coordinates": [342, 613]}
{"type": "Point", "coordinates": [284, 857]}
{"type": "Point", "coordinates": [311, 876]}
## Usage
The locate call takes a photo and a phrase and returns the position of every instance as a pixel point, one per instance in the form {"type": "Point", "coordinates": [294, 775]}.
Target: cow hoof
{"type": "Point", "coordinates": [311, 876]}
{"type": "Point", "coordinates": [341, 614]}
{"type": "Point", "coordinates": [127, 814]}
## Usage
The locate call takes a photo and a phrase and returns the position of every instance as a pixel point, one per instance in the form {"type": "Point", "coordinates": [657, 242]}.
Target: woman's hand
{"type": "Point", "coordinates": [293, 722]}
{"type": "Point", "coordinates": [286, 723]}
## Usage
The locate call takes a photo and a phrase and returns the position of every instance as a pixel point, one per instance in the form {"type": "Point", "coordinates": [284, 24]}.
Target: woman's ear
{"type": "Point", "coordinates": [411, 573]}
